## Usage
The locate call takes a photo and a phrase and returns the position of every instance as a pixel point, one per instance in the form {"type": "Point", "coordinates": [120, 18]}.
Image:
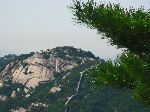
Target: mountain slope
{"type": "Point", "coordinates": [34, 68]}
{"type": "Point", "coordinates": [68, 91]}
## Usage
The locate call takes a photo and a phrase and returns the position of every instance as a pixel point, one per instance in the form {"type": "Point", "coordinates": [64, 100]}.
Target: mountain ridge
{"type": "Point", "coordinates": [31, 67]}
{"type": "Point", "coordinates": [56, 80]}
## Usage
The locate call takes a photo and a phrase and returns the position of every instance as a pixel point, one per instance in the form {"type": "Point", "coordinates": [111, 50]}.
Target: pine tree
{"type": "Point", "coordinates": [125, 28]}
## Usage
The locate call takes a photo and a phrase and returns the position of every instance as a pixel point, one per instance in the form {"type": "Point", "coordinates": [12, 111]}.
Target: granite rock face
{"type": "Point", "coordinates": [32, 71]}
{"type": "Point", "coordinates": [41, 67]}
{"type": "Point", "coordinates": [36, 69]}
{"type": "Point", "coordinates": [55, 89]}
{"type": "Point", "coordinates": [19, 110]}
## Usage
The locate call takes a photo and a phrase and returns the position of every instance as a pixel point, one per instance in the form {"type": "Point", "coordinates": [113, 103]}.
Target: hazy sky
{"type": "Point", "coordinates": [33, 25]}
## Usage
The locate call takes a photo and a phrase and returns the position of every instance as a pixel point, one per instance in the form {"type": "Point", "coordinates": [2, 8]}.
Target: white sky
{"type": "Point", "coordinates": [33, 25]}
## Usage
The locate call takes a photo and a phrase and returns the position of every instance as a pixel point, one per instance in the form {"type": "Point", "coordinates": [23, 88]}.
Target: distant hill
{"type": "Point", "coordinates": [55, 80]}
{"type": "Point", "coordinates": [5, 52]}
{"type": "Point", "coordinates": [6, 60]}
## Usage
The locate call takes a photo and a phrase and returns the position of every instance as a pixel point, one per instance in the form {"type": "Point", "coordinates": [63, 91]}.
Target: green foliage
{"type": "Point", "coordinates": [7, 90]}
{"type": "Point", "coordinates": [6, 60]}
{"type": "Point", "coordinates": [125, 28]}
{"type": "Point", "coordinates": [72, 52]}
{"type": "Point", "coordinates": [142, 91]}
{"type": "Point", "coordinates": [46, 55]}
{"type": "Point", "coordinates": [24, 56]}
{"type": "Point", "coordinates": [87, 100]}
{"type": "Point", "coordinates": [127, 71]}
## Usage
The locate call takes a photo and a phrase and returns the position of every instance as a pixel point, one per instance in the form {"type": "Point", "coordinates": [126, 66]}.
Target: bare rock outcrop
{"type": "Point", "coordinates": [31, 75]}
{"type": "Point", "coordinates": [19, 110]}
{"type": "Point", "coordinates": [38, 104]}
{"type": "Point", "coordinates": [1, 83]}
{"type": "Point", "coordinates": [13, 94]}
{"type": "Point", "coordinates": [55, 89]}
{"type": "Point", "coordinates": [36, 69]}
{"type": "Point", "coordinates": [3, 98]}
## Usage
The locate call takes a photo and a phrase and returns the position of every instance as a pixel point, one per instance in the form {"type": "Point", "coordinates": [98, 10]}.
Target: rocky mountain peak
{"type": "Point", "coordinates": [41, 66]}
{"type": "Point", "coordinates": [56, 80]}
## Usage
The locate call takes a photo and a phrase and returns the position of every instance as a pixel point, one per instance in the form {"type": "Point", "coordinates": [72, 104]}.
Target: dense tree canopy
{"type": "Point", "coordinates": [126, 28]}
